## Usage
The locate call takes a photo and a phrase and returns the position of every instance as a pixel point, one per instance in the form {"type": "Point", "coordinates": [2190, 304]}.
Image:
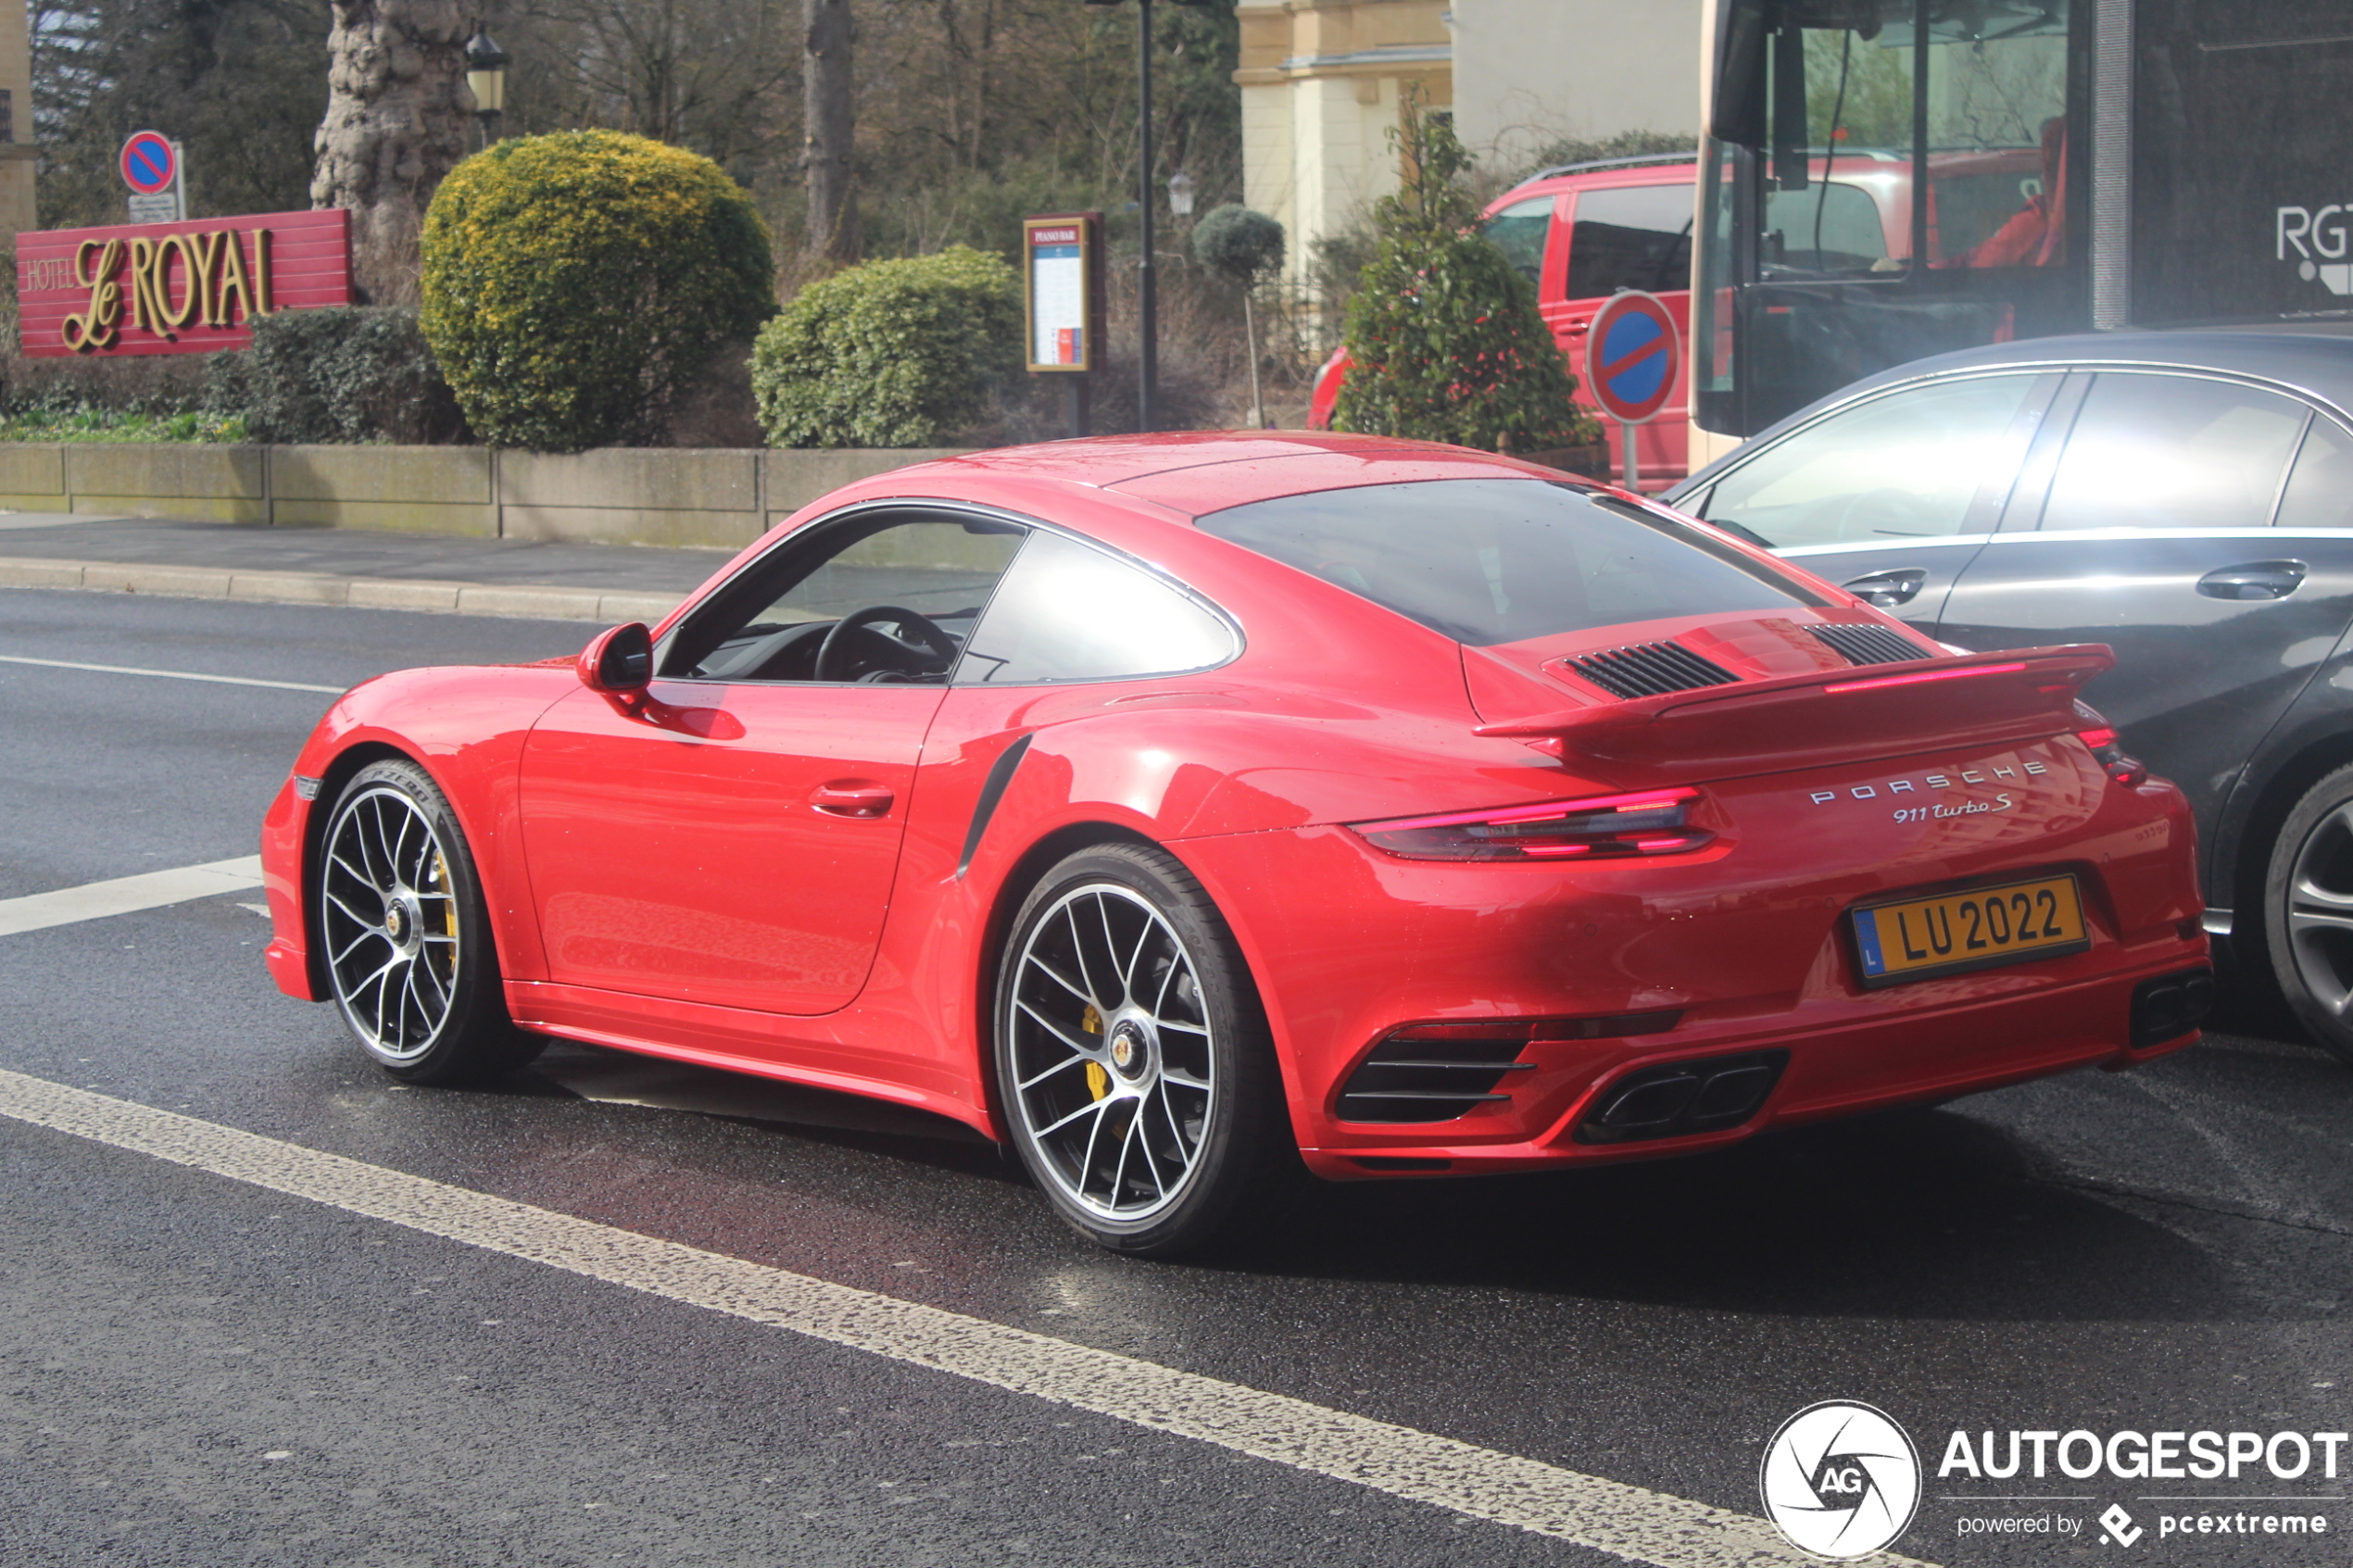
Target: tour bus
{"type": "Point", "coordinates": [2091, 164]}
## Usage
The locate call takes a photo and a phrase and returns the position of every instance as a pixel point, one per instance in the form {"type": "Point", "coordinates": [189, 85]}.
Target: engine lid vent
{"type": "Point", "coordinates": [1653, 669]}
{"type": "Point", "coordinates": [1870, 645]}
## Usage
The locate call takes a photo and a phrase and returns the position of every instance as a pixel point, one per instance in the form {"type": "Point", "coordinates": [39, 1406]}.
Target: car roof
{"type": "Point", "coordinates": [1199, 472]}
{"type": "Point", "coordinates": [2314, 359]}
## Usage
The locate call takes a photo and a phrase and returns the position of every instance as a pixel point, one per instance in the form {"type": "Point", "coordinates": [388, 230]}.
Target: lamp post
{"type": "Point", "coordinates": [1147, 289]}
{"type": "Point", "coordinates": [486, 75]}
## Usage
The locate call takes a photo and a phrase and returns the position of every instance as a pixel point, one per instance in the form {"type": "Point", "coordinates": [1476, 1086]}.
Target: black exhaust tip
{"type": "Point", "coordinates": [2170, 1006]}
{"type": "Point", "coordinates": [1678, 1098]}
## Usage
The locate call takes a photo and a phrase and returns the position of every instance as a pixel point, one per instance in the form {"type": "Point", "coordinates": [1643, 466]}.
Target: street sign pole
{"type": "Point", "coordinates": [1633, 356]}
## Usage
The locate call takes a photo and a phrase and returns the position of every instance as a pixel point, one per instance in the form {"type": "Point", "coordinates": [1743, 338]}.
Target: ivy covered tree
{"type": "Point", "coordinates": [1443, 332]}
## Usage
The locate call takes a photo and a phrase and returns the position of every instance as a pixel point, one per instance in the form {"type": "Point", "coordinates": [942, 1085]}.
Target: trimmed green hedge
{"type": "Point", "coordinates": [574, 282]}
{"type": "Point", "coordinates": [338, 374]}
{"type": "Point", "coordinates": [890, 354]}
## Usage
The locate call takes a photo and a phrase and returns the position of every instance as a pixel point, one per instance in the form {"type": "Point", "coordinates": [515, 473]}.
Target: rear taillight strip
{"type": "Point", "coordinates": [1607, 826]}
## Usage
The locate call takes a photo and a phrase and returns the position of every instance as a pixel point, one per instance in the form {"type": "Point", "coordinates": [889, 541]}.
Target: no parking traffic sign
{"type": "Point", "coordinates": [1631, 356]}
{"type": "Point", "coordinates": [150, 163]}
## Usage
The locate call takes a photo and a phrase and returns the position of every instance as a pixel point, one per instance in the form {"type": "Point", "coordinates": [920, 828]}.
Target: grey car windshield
{"type": "Point", "coordinates": [1501, 560]}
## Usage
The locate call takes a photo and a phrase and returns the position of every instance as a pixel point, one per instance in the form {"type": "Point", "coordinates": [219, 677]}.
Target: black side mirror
{"type": "Point", "coordinates": [620, 662]}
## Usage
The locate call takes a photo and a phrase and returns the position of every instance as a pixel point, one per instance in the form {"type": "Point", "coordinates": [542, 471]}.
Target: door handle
{"type": "Point", "coordinates": [852, 798]}
{"type": "Point", "coordinates": [2254, 580]}
{"type": "Point", "coordinates": [1577, 328]}
{"type": "Point", "coordinates": [1888, 589]}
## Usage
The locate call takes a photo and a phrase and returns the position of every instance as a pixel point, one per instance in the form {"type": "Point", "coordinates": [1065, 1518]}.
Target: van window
{"type": "Point", "coordinates": [1635, 237]}
{"type": "Point", "coordinates": [1519, 231]}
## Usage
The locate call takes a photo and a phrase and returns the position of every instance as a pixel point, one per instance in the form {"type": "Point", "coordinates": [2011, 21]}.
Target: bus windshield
{"type": "Point", "coordinates": [1889, 178]}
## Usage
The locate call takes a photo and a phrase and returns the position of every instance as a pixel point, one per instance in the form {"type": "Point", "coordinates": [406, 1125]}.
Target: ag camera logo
{"type": "Point", "coordinates": [1841, 1479]}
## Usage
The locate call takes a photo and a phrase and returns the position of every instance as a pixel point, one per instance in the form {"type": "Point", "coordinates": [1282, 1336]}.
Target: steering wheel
{"type": "Point", "coordinates": [837, 648]}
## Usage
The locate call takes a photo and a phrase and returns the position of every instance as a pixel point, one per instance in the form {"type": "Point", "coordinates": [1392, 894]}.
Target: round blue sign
{"type": "Point", "coordinates": [1630, 358]}
{"type": "Point", "coordinates": [149, 165]}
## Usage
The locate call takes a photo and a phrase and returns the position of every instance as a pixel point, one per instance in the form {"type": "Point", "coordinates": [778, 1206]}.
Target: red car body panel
{"type": "Point", "coordinates": [638, 900]}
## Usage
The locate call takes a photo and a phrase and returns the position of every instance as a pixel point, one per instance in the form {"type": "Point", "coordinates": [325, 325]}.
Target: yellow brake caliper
{"type": "Point", "coordinates": [1098, 1081]}
{"type": "Point", "coordinates": [448, 905]}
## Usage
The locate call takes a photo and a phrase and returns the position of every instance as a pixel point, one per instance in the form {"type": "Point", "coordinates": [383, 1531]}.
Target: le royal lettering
{"type": "Point", "coordinates": [218, 272]}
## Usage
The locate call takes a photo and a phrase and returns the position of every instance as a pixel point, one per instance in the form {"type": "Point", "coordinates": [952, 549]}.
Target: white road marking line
{"type": "Point", "coordinates": [125, 895]}
{"type": "Point", "coordinates": [1628, 1522]}
{"type": "Point", "coordinates": [171, 674]}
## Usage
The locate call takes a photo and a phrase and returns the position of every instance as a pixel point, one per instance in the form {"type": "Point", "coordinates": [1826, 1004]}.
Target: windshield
{"type": "Point", "coordinates": [1501, 560]}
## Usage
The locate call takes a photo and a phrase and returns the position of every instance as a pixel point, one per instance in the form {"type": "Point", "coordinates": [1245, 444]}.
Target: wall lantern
{"type": "Point", "coordinates": [486, 75]}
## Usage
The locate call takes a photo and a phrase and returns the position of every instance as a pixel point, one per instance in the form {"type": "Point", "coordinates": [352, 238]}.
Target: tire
{"type": "Point", "coordinates": [1132, 1058]}
{"type": "Point", "coordinates": [406, 935]}
{"type": "Point", "coordinates": [2308, 911]}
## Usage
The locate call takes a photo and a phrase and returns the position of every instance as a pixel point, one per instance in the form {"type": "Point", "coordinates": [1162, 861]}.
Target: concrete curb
{"type": "Point", "coordinates": [532, 601]}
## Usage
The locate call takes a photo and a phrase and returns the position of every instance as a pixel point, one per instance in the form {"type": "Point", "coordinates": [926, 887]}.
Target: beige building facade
{"type": "Point", "coordinates": [1321, 82]}
{"type": "Point", "coordinates": [17, 147]}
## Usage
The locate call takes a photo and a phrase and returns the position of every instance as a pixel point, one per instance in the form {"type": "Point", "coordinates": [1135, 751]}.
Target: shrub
{"type": "Point", "coordinates": [574, 283]}
{"type": "Point", "coordinates": [889, 354]}
{"type": "Point", "coordinates": [1238, 245]}
{"type": "Point", "coordinates": [1444, 330]}
{"type": "Point", "coordinates": [345, 374]}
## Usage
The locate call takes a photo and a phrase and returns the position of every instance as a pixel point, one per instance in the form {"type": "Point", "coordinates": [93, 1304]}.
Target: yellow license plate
{"type": "Point", "coordinates": [1953, 932]}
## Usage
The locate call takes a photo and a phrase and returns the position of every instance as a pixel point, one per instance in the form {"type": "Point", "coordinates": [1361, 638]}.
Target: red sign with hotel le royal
{"type": "Point", "coordinates": [176, 288]}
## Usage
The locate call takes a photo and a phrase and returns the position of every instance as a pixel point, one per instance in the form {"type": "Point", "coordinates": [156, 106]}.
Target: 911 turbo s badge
{"type": "Point", "coordinates": [1959, 779]}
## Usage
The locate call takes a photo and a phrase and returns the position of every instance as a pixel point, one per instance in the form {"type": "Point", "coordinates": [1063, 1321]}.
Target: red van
{"type": "Point", "coordinates": [1582, 233]}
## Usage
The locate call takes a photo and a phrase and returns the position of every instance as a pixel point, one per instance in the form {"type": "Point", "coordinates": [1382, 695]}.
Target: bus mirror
{"type": "Point", "coordinates": [1738, 114]}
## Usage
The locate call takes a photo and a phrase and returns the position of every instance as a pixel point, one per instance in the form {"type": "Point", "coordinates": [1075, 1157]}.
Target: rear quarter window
{"type": "Point", "coordinates": [1502, 560]}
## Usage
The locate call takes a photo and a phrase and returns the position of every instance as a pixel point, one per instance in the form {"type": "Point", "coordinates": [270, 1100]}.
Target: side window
{"type": "Point", "coordinates": [2320, 493]}
{"type": "Point", "coordinates": [1520, 231]}
{"type": "Point", "coordinates": [2158, 451]}
{"type": "Point", "coordinates": [1068, 612]}
{"type": "Point", "coordinates": [1907, 465]}
{"type": "Point", "coordinates": [911, 587]}
{"type": "Point", "coordinates": [1638, 237]}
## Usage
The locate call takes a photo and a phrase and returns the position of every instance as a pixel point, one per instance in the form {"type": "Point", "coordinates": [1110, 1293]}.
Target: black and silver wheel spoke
{"type": "Point", "coordinates": [388, 920]}
{"type": "Point", "coordinates": [1112, 1072]}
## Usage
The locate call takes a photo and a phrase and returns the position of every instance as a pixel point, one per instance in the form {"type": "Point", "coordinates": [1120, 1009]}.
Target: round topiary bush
{"type": "Point", "coordinates": [1443, 332]}
{"type": "Point", "coordinates": [573, 283]}
{"type": "Point", "coordinates": [889, 354]}
{"type": "Point", "coordinates": [1238, 244]}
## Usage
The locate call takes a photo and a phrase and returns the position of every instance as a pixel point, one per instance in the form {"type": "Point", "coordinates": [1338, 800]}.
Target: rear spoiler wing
{"type": "Point", "coordinates": [1824, 717]}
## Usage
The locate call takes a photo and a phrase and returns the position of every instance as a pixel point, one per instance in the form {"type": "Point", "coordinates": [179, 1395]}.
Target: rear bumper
{"type": "Point", "coordinates": [1915, 1058]}
{"type": "Point", "coordinates": [1729, 952]}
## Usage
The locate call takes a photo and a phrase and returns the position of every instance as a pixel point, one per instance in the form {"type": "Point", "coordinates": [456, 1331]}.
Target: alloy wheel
{"type": "Point", "coordinates": [1115, 1076]}
{"type": "Point", "coordinates": [390, 921]}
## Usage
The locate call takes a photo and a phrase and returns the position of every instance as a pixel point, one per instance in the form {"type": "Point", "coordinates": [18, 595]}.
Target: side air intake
{"type": "Point", "coordinates": [1430, 1080]}
{"type": "Point", "coordinates": [1870, 645]}
{"type": "Point", "coordinates": [1653, 669]}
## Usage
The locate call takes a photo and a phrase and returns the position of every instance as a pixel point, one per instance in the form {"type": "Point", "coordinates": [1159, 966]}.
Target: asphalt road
{"type": "Point", "coordinates": [196, 1370]}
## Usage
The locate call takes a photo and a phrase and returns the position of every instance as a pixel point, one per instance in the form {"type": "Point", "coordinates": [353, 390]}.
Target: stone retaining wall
{"type": "Point", "coordinates": [646, 495]}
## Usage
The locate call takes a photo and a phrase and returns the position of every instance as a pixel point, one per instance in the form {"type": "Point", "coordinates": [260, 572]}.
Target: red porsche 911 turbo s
{"type": "Point", "coordinates": [1179, 809]}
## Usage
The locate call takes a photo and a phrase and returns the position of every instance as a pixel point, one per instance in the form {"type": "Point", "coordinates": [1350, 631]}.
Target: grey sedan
{"type": "Point", "coordinates": [2185, 497]}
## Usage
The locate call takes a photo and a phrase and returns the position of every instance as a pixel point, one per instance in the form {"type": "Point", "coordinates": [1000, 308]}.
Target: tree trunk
{"type": "Point", "coordinates": [828, 122]}
{"type": "Point", "coordinates": [399, 116]}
